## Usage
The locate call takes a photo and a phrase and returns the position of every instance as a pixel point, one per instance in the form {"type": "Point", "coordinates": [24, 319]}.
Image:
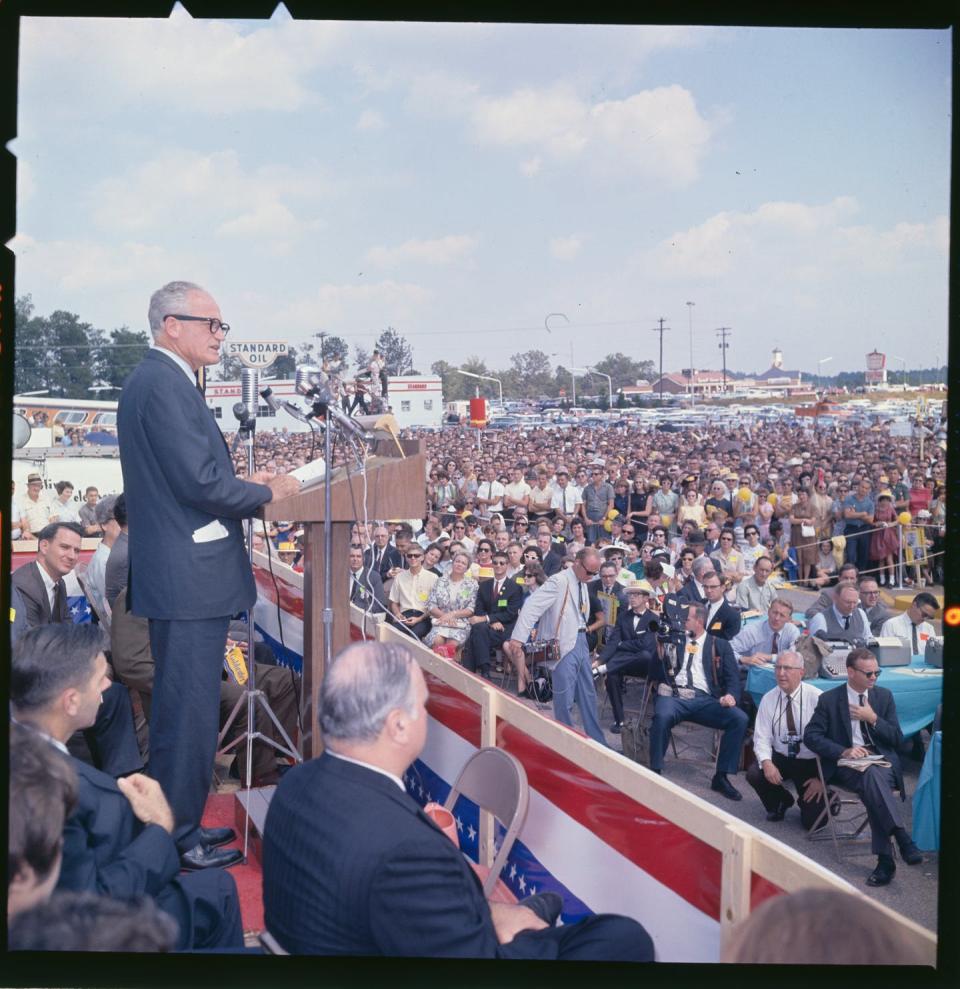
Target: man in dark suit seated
{"type": "Point", "coordinates": [495, 613]}
{"type": "Point", "coordinates": [366, 587]}
{"type": "Point", "coordinates": [381, 556]}
{"type": "Point", "coordinates": [723, 620]}
{"type": "Point", "coordinates": [552, 561]}
{"type": "Point", "coordinates": [851, 722]}
{"type": "Point", "coordinates": [118, 842]}
{"type": "Point", "coordinates": [112, 740]}
{"type": "Point", "coordinates": [353, 866]}
{"type": "Point", "coordinates": [630, 647]}
{"type": "Point", "coordinates": [705, 689]}
{"type": "Point", "coordinates": [607, 600]}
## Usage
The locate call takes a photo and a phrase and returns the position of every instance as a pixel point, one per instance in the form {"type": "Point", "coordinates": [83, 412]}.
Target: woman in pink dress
{"type": "Point", "coordinates": [885, 540]}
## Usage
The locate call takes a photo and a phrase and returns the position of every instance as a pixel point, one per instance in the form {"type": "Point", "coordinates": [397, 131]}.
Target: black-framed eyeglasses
{"type": "Point", "coordinates": [414, 556]}
{"type": "Point", "coordinates": [215, 325]}
{"type": "Point", "coordinates": [872, 674]}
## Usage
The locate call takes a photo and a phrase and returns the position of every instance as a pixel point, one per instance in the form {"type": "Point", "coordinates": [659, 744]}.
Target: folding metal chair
{"type": "Point", "coordinates": [496, 782]}
{"type": "Point", "coordinates": [833, 822]}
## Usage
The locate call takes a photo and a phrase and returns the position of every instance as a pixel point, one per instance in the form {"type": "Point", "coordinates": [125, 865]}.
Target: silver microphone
{"type": "Point", "coordinates": [268, 397]}
{"type": "Point", "coordinates": [249, 384]}
{"type": "Point", "coordinates": [308, 378]}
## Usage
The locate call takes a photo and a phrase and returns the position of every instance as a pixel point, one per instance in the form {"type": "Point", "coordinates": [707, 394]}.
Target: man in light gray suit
{"type": "Point", "coordinates": [562, 607]}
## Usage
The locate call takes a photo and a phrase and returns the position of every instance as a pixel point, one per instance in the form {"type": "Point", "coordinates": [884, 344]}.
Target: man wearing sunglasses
{"type": "Point", "coordinates": [562, 607]}
{"type": "Point", "coordinates": [858, 720]}
{"type": "Point", "coordinates": [189, 571]}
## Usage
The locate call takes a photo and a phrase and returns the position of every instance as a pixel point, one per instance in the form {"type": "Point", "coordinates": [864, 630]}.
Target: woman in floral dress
{"type": "Point", "coordinates": [451, 603]}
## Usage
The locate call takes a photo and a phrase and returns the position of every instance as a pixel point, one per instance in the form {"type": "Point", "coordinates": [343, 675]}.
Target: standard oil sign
{"type": "Point", "coordinates": [256, 353]}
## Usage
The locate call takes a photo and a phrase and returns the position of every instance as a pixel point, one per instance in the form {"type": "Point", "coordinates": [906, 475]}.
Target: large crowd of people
{"type": "Point", "coordinates": [576, 543]}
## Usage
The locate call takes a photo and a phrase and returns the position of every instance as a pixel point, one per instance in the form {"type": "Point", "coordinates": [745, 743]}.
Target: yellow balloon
{"type": "Point", "coordinates": [744, 494]}
{"type": "Point", "coordinates": [771, 499]}
{"type": "Point", "coordinates": [607, 525]}
{"type": "Point", "coordinates": [904, 518]}
{"type": "Point", "coordinates": [612, 514]}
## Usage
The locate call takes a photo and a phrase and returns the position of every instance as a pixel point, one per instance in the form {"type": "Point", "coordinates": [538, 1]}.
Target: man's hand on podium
{"type": "Point", "coordinates": [282, 485]}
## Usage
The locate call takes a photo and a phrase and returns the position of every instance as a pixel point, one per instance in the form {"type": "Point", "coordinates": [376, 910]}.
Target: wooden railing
{"type": "Point", "coordinates": [744, 848]}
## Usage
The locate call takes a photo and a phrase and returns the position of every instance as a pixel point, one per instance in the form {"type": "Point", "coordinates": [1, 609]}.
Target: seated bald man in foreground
{"type": "Point", "coordinates": [353, 866]}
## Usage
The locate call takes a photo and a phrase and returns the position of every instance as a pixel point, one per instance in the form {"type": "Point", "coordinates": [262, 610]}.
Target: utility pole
{"type": "Point", "coordinates": [723, 333]}
{"type": "Point", "coordinates": [690, 306]}
{"type": "Point", "coordinates": [661, 329]}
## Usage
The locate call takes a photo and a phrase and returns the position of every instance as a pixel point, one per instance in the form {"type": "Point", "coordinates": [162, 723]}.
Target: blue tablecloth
{"type": "Point", "coordinates": [926, 799]}
{"type": "Point", "coordinates": [916, 697]}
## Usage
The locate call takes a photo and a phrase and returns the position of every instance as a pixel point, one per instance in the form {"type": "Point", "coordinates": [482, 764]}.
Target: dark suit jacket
{"type": "Point", "coordinates": [366, 586]}
{"type": "Point", "coordinates": [33, 591]}
{"type": "Point", "coordinates": [688, 594]}
{"type": "Point", "coordinates": [719, 667]}
{"type": "Point", "coordinates": [391, 558]}
{"type": "Point", "coordinates": [829, 732]}
{"type": "Point", "coordinates": [177, 478]}
{"type": "Point", "coordinates": [511, 591]}
{"type": "Point", "coordinates": [352, 866]}
{"type": "Point", "coordinates": [107, 850]}
{"type": "Point", "coordinates": [729, 620]}
{"type": "Point", "coordinates": [623, 639]}
{"type": "Point", "coordinates": [552, 563]}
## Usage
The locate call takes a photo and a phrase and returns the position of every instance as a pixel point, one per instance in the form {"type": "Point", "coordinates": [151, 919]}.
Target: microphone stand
{"type": "Point", "coordinates": [252, 696]}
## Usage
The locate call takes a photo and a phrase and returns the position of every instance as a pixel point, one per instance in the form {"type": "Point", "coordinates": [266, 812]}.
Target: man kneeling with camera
{"type": "Point", "coordinates": [783, 715]}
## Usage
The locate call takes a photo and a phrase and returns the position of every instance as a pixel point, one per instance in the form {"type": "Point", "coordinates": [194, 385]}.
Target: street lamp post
{"type": "Point", "coordinates": [573, 371]}
{"type": "Point", "coordinates": [484, 377]}
{"type": "Point", "coordinates": [820, 363]}
{"type": "Point", "coordinates": [593, 370]}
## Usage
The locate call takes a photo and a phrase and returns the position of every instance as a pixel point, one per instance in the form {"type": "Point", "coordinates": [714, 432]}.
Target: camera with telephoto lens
{"type": "Point", "coordinates": [671, 626]}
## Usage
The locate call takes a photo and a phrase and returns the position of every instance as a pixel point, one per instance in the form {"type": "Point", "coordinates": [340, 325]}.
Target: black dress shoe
{"type": "Point", "coordinates": [721, 784]}
{"type": "Point", "coordinates": [547, 906]}
{"type": "Point", "coordinates": [201, 857]}
{"type": "Point", "coordinates": [883, 873]}
{"type": "Point", "coordinates": [215, 837]}
{"type": "Point", "coordinates": [616, 727]}
{"type": "Point", "coordinates": [909, 852]}
{"type": "Point", "coordinates": [782, 808]}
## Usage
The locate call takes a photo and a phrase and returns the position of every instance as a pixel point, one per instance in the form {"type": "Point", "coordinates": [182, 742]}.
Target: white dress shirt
{"type": "Point", "coordinates": [367, 765]}
{"type": "Point", "coordinates": [770, 730]}
{"type": "Point", "coordinates": [696, 667]}
{"type": "Point", "coordinates": [902, 627]}
{"type": "Point", "coordinates": [819, 621]}
{"type": "Point", "coordinates": [856, 725]}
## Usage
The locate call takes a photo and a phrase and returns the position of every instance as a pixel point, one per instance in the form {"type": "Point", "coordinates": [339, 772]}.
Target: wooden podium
{"type": "Point", "coordinates": [395, 489]}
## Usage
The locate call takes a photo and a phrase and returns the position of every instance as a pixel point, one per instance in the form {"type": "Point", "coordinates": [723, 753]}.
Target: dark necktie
{"type": "Point", "coordinates": [564, 501]}
{"type": "Point", "coordinates": [60, 612]}
{"type": "Point", "coordinates": [201, 381]}
{"type": "Point", "coordinates": [864, 727]}
{"type": "Point", "coordinates": [846, 623]}
{"type": "Point", "coordinates": [690, 657]}
{"type": "Point", "coordinates": [496, 593]}
{"type": "Point", "coordinates": [775, 647]}
{"type": "Point", "coordinates": [916, 645]}
{"type": "Point", "coordinates": [791, 721]}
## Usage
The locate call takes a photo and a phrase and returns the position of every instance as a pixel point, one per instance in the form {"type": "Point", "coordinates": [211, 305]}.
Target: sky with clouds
{"type": "Point", "coordinates": [461, 182]}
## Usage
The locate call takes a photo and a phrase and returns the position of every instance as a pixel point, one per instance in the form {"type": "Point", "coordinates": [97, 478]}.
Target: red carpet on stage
{"type": "Point", "coordinates": [219, 813]}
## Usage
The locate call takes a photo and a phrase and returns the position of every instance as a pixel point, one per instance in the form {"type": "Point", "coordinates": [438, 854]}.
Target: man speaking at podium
{"type": "Point", "coordinates": [189, 571]}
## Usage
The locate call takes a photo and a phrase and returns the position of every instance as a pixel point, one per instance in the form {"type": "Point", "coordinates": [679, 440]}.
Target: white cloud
{"type": "Point", "coordinates": [658, 132]}
{"type": "Point", "coordinates": [565, 248]}
{"type": "Point", "coordinates": [213, 188]}
{"type": "Point", "coordinates": [442, 250]}
{"type": "Point", "coordinates": [792, 242]}
{"type": "Point", "coordinates": [348, 309]}
{"type": "Point", "coordinates": [370, 120]}
{"type": "Point", "coordinates": [79, 266]}
{"type": "Point", "coordinates": [197, 65]}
